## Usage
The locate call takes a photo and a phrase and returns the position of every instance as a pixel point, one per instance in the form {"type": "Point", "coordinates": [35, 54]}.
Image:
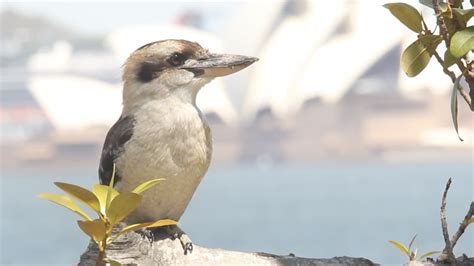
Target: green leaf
{"type": "Point", "coordinates": [101, 192]}
{"type": "Point", "coordinates": [407, 15]}
{"type": "Point", "coordinates": [418, 54]}
{"type": "Point", "coordinates": [160, 223]}
{"type": "Point", "coordinates": [122, 206]}
{"type": "Point", "coordinates": [65, 202]}
{"type": "Point", "coordinates": [400, 246]}
{"type": "Point", "coordinates": [429, 254]}
{"type": "Point", "coordinates": [443, 7]}
{"type": "Point", "coordinates": [449, 59]}
{"type": "Point", "coordinates": [95, 229]}
{"type": "Point", "coordinates": [454, 105]}
{"type": "Point", "coordinates": [462, 42]}
{"type": "Point", "coordinates": [112, 262]}
{"type": "Point", "coordinates": [470, 221]}
{"type": "Point", "coordinates": [146, 185]}
{"type": "Point", "coordinates": [81, 194]}
{"type": "Point", "coordinates": [450, 25]}
{"type": "Point", "coordinates": [411, 242]}
{"type": "Point", "coordinates": [135, 227]}
{"type": "Point", "coordinates": [457, 3]}
{"type": "Point", "coordinates": [463, 15]}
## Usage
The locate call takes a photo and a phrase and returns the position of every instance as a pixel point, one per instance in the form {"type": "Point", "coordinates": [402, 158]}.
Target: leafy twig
{"type": "Point", "coordinates": [467, 73]}
{"type": "Point", "coordinates": [440, 21]}
{"type": "Point", "coordinates": [110, 206]}
{"type": "Point", "coordinates": [445, 69]}
{"type": "Point", "coordinates": [451, 74]}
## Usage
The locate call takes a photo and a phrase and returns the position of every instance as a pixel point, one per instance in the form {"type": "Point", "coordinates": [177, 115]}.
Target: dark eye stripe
{"type": "Point", "coordinates": [149, 71]}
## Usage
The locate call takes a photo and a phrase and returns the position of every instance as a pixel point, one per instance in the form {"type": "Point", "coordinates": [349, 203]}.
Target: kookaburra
{"type": "Point", "coordinates": [161, 133]}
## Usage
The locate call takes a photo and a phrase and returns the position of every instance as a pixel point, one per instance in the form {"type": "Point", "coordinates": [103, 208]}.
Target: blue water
{"type": "Point", "coordinates": [310, 210]}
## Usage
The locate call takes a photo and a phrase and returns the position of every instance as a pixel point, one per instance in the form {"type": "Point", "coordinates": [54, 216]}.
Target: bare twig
{"type": "Point", "coordinates": [447, 254]}
{"type": "Point", "coordinates": [445, 69]}
{"type": "Point", "coordinates": [100, 258]}
{"type": "Point", "coordinates": [463, 225]}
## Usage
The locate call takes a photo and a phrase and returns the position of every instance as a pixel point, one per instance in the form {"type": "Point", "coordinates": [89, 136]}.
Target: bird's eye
{"type": "Point", "coordinates": [177, 59]}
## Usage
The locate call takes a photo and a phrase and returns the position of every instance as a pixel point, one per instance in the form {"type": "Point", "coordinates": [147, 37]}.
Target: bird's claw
{"type": "Point", "coordinates": [176, 233]}
{"type": "Point", "coordinates": [148, 234]}
{"type": "Point", "coordinates": [188, 247]}
{"type": "Point", "coordinates": [174, 236]}
{"type": "Point", "coordinates": [186, 243]}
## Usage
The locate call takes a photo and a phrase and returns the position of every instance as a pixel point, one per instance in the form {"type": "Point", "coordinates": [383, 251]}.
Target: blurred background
{"type": "Point", "coordinates": [322, 148]}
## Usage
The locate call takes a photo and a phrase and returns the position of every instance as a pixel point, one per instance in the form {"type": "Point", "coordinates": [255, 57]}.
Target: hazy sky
{"type": "Point", "coordinates": [104, 16]}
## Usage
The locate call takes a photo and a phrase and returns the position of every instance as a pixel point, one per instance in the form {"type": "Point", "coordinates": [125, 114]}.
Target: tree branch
{"type": "Point", "coordinates": [469, 75]}
{"type": "Point", "coordinates": [463, 225]}
{"type": "Point", "coordinates": [466, 96]}
{"type": "Point", "coordinates": [445, 69]}
{"type": "Point", "coordinates": [451, 74]}
{"type": "Point", "coordinates": [447, 254]}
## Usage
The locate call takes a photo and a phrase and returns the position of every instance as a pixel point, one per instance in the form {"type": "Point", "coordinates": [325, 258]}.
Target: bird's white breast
{"type": "Point", "coordinates": [170, 140]}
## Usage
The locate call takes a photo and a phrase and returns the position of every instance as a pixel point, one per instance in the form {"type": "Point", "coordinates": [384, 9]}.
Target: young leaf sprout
{"type": "Point", "coordinates": [111, 208]}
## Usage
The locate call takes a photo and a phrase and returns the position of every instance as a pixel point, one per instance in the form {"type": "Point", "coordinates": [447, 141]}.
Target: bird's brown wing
{"type": "Point", "coordinates": [118, 135]}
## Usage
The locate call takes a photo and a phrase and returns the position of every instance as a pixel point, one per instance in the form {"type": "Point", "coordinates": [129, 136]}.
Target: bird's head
{"type": "Point", "coordinates": [174, 68]}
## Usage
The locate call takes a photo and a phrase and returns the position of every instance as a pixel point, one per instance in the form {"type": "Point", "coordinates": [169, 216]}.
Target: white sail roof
{"type": "Point", "coordinates": [76, 102]}
{"type": "Point", "coordinates": [56, 59]}
{"type": "Point", "coordinates": [285, 56]}
{"type": "Point", "coordinates": [306, 58]}
{"type": "Point", "coordinates": [338, 64]}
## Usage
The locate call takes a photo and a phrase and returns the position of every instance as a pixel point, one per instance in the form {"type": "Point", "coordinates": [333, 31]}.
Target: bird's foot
{"type": "Point", "coordinates": [176, 233]}
{"type": "Point", "coordinates": [148, 234]}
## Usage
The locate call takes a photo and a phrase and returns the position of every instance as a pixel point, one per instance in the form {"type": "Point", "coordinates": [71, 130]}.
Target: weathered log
{"type": "Point", "coordinates": [136, 248]}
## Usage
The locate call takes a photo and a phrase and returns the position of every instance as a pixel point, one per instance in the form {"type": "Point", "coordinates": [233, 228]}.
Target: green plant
{"type": "Point", "coordinates": [451, 27]}
{"type": "Point", "coordinates": [111, 208]}
{"type": "Point", "coordinates": [411, 254]}
{"type": "Point", "coordinates": [469, 221]}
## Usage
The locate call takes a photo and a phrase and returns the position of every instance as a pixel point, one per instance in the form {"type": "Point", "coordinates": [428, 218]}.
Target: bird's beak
{"type": "Point", "coordinates": [218, 65]}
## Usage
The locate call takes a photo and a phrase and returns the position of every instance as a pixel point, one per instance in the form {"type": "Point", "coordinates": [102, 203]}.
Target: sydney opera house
{"type": "Point", "coordinates": [328, 86]}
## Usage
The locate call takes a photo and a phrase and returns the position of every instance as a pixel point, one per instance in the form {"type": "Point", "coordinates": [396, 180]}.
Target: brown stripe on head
{"type": "Point", "coordinates": [150, 60]}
